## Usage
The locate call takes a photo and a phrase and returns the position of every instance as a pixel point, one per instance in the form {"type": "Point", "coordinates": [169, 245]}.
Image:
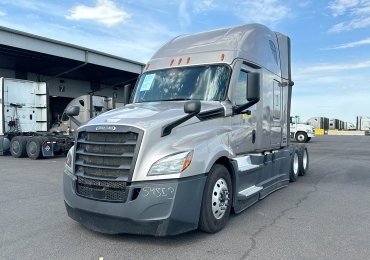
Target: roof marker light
{"type": "Point", "coordinates": [147, 66]}
{"type": "Point", "coordinates": [222, 56]}
{"type": "Point", "coordinates": [172, 62]}
{"type": "Point", "coordinates": [188, 60]}
{"type": "Point", "coordinates": [180, 60]}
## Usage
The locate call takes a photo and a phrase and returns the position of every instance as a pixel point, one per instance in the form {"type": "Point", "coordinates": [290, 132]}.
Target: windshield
{"type": "Point", "coordinates": [200, 83]}
{"type": "Point", "coordinates": [296, 119]}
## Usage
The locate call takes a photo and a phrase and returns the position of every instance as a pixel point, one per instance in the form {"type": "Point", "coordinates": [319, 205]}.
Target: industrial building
{"type": "Point", "coordinates": [69, 70]}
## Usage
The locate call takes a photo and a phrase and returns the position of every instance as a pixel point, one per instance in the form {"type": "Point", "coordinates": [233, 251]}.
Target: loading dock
{"type": "Point", "coordinates": [69, 70]}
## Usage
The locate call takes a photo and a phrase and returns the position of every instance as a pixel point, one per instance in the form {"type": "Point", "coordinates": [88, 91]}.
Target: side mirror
{"type": "Point", "coordinates": [253, 92]}
{"type": "Point", "coordinates": [127, 93]}
{"type": "Point", "coordinates": [192, 106]}
{"type": "Point", "coordinates": [73, 110]}
{"type": "Point", "coordinates": [253, 87]}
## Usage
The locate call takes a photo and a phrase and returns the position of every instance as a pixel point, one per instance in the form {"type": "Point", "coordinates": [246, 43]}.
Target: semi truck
{"type": "Point", "coordinates": [90, 107]}
{"type": "Point", "coordinates": [300, 132]}
{"type": "Point", "coordinates": [206, 130]}
{"type": "Point", "coordinates": [24, 123]}
{"type": "Point", "coordinates": [319, 123]}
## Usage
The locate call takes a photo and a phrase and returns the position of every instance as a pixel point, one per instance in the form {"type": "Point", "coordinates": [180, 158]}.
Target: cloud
{"type": "Point", "coordinates": [184, 16]}
{"type": "Point", "coordinates": [105, 12]}
{"type": "Point", "coordinates": [2, 13]}
{"type": "Point", "coordinates": [334, 67]}
{"type": "Point", "coordinates": [358, 10]}
{"type": "Point", "coordinates": [347, 26]}
{"type": "Point", "coordinates": [264, 11]}
{"type": "Point", "coordinates": [339, 7]}
{"type": "Point", "coordinates": [349, 45]}
{"type": "Point", "coordinates": [203, 6]}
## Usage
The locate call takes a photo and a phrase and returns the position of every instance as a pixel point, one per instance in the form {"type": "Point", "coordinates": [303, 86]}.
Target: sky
{"type": "Point", "coordinates": [330, 39]}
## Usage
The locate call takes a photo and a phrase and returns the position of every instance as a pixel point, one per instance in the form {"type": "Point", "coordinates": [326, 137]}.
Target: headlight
{"type": "Point", "coordinates": [69, 160]}
{"type": "Point", "coordinates": [171, 164]}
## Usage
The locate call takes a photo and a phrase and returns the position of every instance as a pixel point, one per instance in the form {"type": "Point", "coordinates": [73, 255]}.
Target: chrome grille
{"type": "Point", "coordinates": [106, 154]}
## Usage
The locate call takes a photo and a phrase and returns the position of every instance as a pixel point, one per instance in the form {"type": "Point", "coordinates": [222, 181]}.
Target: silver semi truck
{"type": "Point", "coordinates": [207, 130]}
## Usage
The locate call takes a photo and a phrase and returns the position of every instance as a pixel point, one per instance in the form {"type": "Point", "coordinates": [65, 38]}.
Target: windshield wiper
{"type": "Point", "coordinates": [176, 99]}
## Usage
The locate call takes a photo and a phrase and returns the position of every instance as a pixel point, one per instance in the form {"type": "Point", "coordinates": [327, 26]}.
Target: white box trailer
{"type": "Point", "coordinates": [24, 121]}
{"type": "Point", "coordinates": [363, 123]}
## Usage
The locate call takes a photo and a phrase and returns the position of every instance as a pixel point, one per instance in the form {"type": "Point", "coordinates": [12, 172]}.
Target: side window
{"type": "Point", "coordinates": [273, 49]}
{"type": "Point", "coordinates": [65, 117]}
{"type": "Point", "coordinates": [241, 89]}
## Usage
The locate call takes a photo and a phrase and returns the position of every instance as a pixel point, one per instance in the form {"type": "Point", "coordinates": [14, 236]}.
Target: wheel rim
{"type": "Point", "coordinates": [16, 147]}
{"type": "Point", "coordinates": [300, 137]}
{"type": "Point", "coordinates": [305, 159]}
{"type": "Point", "coordinates": [220, 198]}
{"type": "Point", "coordinates": [32, 147]}
{"type": "Point", "coordinates": [295, 164]}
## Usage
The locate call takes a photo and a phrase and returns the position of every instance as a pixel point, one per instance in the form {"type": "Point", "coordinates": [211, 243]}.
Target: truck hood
{"type": "Point", "coordinates": [151, 114]}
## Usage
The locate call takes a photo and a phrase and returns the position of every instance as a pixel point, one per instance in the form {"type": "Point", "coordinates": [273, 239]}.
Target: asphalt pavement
{"type": "Point", "coordinates": [324, 215]}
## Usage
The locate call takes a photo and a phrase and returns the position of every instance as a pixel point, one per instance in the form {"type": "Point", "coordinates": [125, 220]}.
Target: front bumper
{"type": "Point", "coordinates": [160, 208]}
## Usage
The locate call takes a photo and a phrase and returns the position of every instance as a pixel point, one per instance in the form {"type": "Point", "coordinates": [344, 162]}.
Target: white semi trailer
{"type": "Point", "coordinates": [363, 123]}
{"type": "Point", "coordinates": [207, 130]}
{"type": "Point", "coordinates": [24, 124]}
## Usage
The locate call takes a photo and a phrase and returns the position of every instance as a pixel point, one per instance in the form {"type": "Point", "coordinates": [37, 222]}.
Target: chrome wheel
{"type": "Point", "coordinates": [295, 164]}
{"type": "Point", "coordinates": [220, 198]}
{"type": "Point", "coordinates": [32, 147]}
{"type": "Point", "coordinates": [305, 159]}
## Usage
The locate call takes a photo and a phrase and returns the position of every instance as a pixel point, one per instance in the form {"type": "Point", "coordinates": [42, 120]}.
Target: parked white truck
{"type": "Point", "coordinates": [302, 133]}
{"type": "Point", "coordinates": [24, 123]}
{"type": "Point", "coordinates": [207, 130]}
{"type": "Point", "coordinates": [90, 107]}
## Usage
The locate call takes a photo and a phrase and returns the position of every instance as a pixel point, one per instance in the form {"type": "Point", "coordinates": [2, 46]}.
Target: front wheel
{"type": "Point", "coordinates": [217, 198]}
{"type": "Point", "coordinates": [301, 137]}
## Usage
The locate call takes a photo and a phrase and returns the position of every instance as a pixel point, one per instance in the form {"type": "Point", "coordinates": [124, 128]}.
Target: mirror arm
{"type": "Point", "coordinates": [74, 120]}
{"type": "Point", "coordinates": [238, 110]}
{"type": "Point", "coordinates": [166, 130]}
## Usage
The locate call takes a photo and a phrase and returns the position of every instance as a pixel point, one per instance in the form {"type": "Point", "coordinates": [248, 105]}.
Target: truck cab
{"type": "Point", "coordinates": [206, 130]}
{"type": "Point", "coordinates": [299, 131]}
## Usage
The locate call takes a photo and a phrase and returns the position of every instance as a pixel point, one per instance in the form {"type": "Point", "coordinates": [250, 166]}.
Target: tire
{"type": "Point", "coordinates": [217, 199]}
{"type": "Point", "coordinates": [18, 146]}
{"type": "Point", "coordinates": [294, 165]}
{"type": "Point", "coordinates": [301, 137]}
{"type": "Point", "coordinates": [34, 148]}
{"type": "Point", "coordinates": [303, 159]}
{"type": "Point", "coordinates": [308, 139]}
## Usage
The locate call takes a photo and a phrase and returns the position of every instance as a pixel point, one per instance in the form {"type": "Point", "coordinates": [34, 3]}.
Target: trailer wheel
{"type": "Point", "coordinates": [303, 159]}
{"type": "Point", "coordinates": [216, 204]}
{"type": "Point", "coordinates": [301, 137]}
{"type": "Point", "coordinates": [18, 146]}
{"type": "Point", "coordinates": [294, 165]}
{"type": "Point", "coordinates": [34, 148]}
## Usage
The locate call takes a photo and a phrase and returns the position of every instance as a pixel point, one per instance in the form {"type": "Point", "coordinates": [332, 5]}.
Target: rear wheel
{"type": "Point", "coordinates": [216, 202]}
{"type": "Point", "coordinates": [303, 160]}
{"type": "Point", "coordinates": [301, 137]}
{"type": "Point", "coordinates": [294, 165]}
{"type": "Point", "coordinates": [34, 148]}
{"type": "Point", "coordinates": [18, 146]}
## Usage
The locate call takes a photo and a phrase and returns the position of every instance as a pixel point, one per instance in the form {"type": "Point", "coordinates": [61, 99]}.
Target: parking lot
{"type": "Point", "coordinates": [324, 215]}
